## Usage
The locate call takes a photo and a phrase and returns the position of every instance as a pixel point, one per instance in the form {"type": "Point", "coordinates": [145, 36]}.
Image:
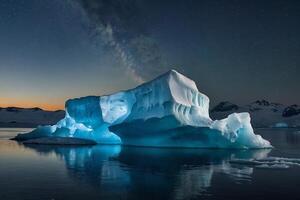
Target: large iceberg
{"type": "Point", "coordinates": [168, 111]}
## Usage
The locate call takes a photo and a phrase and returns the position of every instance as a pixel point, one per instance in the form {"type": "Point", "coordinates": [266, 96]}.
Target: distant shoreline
{"type": "Point", "coordinates": [17, 125]}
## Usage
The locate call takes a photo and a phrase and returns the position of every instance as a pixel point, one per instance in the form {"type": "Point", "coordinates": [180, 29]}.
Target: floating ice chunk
{"type": "Point", "coordinates": [39, 132]}
{"type": "Point", "coordinates": [168, 111]}
{"type": "Point", "coordinates": [273, 166]}
{"type": "Point", "coordinates": [269, 162]}
{"type": "Point", "coordinates": [289, 161]}
{"type": "Point", "coordinates": [281, 125]}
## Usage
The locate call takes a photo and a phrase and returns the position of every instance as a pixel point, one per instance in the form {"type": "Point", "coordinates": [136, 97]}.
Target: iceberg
{"type": "Point", "coordinates": [168, 111]}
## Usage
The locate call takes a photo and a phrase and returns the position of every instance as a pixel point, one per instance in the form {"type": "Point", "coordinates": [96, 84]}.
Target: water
{"type": "Point", "coordinates": [115, 172]}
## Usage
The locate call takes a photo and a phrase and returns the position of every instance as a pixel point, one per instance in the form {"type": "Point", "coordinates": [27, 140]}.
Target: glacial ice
{"type": "Point", "coordinates": [168, 111]}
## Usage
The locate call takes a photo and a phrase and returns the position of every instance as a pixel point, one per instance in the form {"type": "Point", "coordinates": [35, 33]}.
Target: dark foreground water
{"type": "Point", "coordinates": [115, 172]}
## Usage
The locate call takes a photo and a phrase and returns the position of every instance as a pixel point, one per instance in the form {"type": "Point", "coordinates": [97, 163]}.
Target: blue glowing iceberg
{"type": "Point", "coordinates": [168, 111]}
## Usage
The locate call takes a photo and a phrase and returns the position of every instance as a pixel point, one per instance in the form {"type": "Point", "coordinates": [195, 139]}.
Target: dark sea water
{"type": "Point", "coordinates": [114, 172]}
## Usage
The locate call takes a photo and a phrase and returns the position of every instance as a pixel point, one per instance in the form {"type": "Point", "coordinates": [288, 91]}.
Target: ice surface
{"type": "Point", "coordinates": [168, 111]}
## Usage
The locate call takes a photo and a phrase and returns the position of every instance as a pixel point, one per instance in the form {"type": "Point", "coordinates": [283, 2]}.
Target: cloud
{"type": "Point", "coordinates": [121, 26]}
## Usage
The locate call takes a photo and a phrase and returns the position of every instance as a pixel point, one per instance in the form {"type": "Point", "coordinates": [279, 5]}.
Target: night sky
{"type": "Point", "coordinates": [235, 50]}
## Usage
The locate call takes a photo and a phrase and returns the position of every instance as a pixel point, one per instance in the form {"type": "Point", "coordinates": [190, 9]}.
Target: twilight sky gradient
{"type": "Point", "coordinates": [236, 50]}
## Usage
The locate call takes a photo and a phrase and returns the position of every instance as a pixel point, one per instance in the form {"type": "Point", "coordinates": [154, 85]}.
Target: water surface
{"type": "Point", "coordinates": [115, 172]}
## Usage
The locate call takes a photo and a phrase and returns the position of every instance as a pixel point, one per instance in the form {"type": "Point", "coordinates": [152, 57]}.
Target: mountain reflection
{"type": "Point", "coordinates": [143, 173]}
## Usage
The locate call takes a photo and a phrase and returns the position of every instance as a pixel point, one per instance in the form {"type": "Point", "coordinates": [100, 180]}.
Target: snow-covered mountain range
{"type": "Point", "coordinates": [28, 117]}
{"type": "Point", "coordinates": [263, 113]}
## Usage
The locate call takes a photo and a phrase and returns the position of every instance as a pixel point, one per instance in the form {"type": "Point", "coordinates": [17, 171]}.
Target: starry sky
{"type": "Point", "coordinates": [235, 50]}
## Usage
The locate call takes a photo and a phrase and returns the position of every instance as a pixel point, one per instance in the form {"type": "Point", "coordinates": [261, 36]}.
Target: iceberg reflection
{"type": "Point", "coordinates": [144, 173]}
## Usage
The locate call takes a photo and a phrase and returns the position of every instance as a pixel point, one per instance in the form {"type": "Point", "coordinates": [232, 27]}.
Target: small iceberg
{"type": "Point", "coordinates": [281, 125]}
{"type": "Point", "coordinates": [268, 162]}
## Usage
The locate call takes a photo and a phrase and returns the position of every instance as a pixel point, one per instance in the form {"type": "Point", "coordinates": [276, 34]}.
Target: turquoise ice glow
{"type": "Point", "coordinates": [166, 112]}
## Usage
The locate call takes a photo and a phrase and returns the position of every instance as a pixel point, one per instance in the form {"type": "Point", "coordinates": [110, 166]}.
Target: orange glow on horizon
{"type": "Point", "coordinates": [10, 102]}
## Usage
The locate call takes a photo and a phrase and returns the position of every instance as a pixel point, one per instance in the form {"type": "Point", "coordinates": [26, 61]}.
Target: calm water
{"type": "Point", "coordinates": [114, 172]}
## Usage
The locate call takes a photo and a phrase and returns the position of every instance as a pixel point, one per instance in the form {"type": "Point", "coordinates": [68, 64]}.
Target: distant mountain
{"type": "Point", "coordinates": [28, 117]}
{"type": "Point", "coordinates": [263, 113]}
{"type": "Point", "coordinates": [225, 106]}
